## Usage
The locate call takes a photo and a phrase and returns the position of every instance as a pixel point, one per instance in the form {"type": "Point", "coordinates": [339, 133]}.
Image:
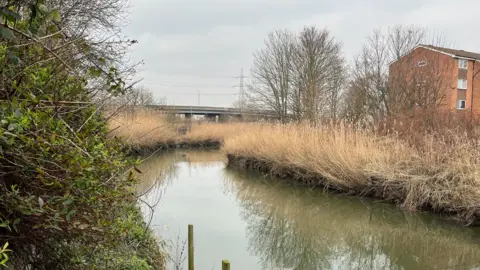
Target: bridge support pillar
{"type": "Point", "coordinates": [211, 117]}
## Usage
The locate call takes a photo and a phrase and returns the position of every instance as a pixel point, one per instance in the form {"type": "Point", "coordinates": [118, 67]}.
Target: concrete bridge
{"type": "Point", "coordinates": [214, 112]}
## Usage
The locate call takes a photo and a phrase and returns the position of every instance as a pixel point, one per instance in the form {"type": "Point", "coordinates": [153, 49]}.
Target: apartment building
{"type": "Point", "coordinates": [448, 77]}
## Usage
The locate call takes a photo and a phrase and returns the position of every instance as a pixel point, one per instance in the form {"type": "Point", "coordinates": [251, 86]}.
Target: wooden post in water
{"type": "Point", "coordinates": [225, 265]}
{"type": "Point", "coordinates": [190, 247]}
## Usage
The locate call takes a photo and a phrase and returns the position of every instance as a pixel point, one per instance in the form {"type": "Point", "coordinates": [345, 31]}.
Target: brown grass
{"type": "Point", "coordinates": [441, 175]}
{"type": "Point", "coordinates": [151, 129]}
{"type": "Point", "coordinates": [410, 164]}
{"type": "Point", "coordinates": [143, 128]}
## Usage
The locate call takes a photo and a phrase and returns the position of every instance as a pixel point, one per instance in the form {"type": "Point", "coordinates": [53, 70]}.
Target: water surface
{"type": "Point", "coordinates": [262, 223]}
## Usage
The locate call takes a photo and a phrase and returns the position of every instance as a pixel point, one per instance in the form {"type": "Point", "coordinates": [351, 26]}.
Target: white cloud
{"type": "Point", "coordinates": [203, 42]}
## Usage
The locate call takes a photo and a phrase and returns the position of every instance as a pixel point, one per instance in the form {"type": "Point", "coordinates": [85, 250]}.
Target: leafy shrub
{"type": "Point", "coordinates": [134, 263]}
{"type": "Point", "coordinates": [67, 191]}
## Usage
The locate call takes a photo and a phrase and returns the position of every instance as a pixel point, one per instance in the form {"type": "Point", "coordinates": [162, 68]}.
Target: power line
{"type": "Point", "coordinates": [199, 93]}
{"type": "Point", "coordinates": [177, 84]}
{"type": "Point", "coordinates": [165, 72]}
{"type": "Point", "coordinates": [187, 85]}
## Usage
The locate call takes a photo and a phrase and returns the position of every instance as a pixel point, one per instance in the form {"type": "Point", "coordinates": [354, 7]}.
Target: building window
{"type": "Point", "coordinates": [462, 84]}
{"type": "Point", "coordinates": [422, 63]}
{"type": "Point", "coordinates": [462, 64]}
{"type": "Point", "coordinates": [461, 104]}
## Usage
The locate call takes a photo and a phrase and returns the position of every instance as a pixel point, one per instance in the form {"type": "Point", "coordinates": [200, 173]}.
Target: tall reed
{"type": "Point", "coordinates": [438, 175]}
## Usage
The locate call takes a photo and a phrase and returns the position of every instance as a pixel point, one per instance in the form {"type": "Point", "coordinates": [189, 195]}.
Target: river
{"type": "Point", "coordinates": [262, 223]}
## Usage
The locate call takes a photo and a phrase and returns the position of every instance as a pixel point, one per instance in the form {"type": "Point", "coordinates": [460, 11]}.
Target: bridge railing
{"type": "Point", "coordinates": [210, 109]}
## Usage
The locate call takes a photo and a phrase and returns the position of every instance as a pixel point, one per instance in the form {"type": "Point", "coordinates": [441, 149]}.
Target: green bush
{"type": "Point", "coordinates": [134, 263]}
{"type": "Point", "coordinates": [67, 191]}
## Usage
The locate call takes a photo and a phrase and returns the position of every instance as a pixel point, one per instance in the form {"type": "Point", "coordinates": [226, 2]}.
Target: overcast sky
{"type": "Point", "coordinates": [199, 46]}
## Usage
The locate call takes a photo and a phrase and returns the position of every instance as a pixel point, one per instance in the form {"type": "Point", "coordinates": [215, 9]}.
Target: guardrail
{"type": "Point", "coordinates": [210, 110]}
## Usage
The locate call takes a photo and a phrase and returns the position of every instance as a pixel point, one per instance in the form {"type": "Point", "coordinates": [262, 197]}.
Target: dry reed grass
{"type": "Point", "coordinates": [440, 176]}
{"type": "Point", "coordinates": [419, 170]}
{"type": "Point", "coordinates": [142, 128]}
{"type": "Point", "coordinates": [150, 129]}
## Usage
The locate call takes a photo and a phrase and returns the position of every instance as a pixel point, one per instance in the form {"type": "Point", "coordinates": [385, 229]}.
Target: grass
{"type": "Point", "coordinates": [439, 175]}
{"type": "Point", "coordinates": [150, 129]}
{"type": "Point", "coordinates": [143, 128]}
{"type": "Point", "coordinates": [419, 168]}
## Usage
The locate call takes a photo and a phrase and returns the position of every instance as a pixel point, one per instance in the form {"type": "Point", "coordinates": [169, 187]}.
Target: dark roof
{"type": "Point", "coordinates": [458, 53]}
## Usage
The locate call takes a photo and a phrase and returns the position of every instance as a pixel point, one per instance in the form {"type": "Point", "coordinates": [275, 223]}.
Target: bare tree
{"type": "Point", "coordinates": [370, 79]}
{"type": "Point", "coordinates": [141, 96]}
{"type": "Point", "coordinates": [355, 100]}
{"type": "Point", "coordinates": [401, 39]}
{"type": "Point", "coordinates": [300, 75]}
{"type": "Point", "coordinates": [93, 28]}
{"type": "Point", "coordinates": [362, 99]}
{"type": "Point", "coordinates": [137, 96]}
{"type": "Point", "coordinates": [272, 74]}
{"type": "Point", "coordinates": [245, 104]}
{"type": "Point", "coordinates": [336, 90]}
{"type": "Point", "coordinates": [318, 64]}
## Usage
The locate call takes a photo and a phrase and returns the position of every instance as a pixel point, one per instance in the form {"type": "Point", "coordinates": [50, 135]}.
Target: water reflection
{"type": "Point", "coordinates": [158, 170]}
{"type": "Point", "coordinates": [261, 223]}
{"type": "Point", "coordinates": [298, 228]}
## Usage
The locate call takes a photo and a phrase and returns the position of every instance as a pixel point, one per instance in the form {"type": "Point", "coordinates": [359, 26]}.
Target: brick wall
{"type": "Point", "coordinates": [440, 71]}
{"type": "Point", "coordinates": [475, 68]}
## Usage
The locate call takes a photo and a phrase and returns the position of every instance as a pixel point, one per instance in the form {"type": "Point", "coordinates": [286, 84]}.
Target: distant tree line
{"type": "Point", "coordinates": [305, 76]}
{"type": "Point", "coordinates": [137, 96]}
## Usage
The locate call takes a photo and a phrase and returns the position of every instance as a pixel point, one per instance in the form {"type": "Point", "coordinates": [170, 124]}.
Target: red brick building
{"type": "Point", "coordinates": [430, 75]}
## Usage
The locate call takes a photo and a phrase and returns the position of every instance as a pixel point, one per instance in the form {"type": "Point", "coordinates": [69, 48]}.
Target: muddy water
{"type": "Point", "coordinates": [262, 223]}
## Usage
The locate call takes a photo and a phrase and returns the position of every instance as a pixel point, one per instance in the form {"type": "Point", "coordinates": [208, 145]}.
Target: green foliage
{"type": "Point", "coordinates": [4, 254]}
{"type": "Point", "coordinates": [67, 195]}
{"type": "Point", "coordinates": [134, 263]}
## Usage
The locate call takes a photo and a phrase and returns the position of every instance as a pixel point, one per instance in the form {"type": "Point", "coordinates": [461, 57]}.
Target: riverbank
{"type": "Point", "coordinates": [274, 225]}
{"type": "Point", "coordinates": [413, 168]}
{"type": "Point", "coordinates": [146, 131]}
{"type": "Point", "coordinates": [434, 174]}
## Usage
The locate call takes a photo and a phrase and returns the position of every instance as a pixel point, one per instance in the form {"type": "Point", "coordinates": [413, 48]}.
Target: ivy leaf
{"type": "Point", "coordinates": [43, 9]}
{"type": "Point", "coordinates": [17, 113]}
{"type": "Point", "coordinates": [12, 126]}
{"type": "Point", "coordinates": [6, 33]}
{"type": "Point", "coordinates": [56, 17]}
